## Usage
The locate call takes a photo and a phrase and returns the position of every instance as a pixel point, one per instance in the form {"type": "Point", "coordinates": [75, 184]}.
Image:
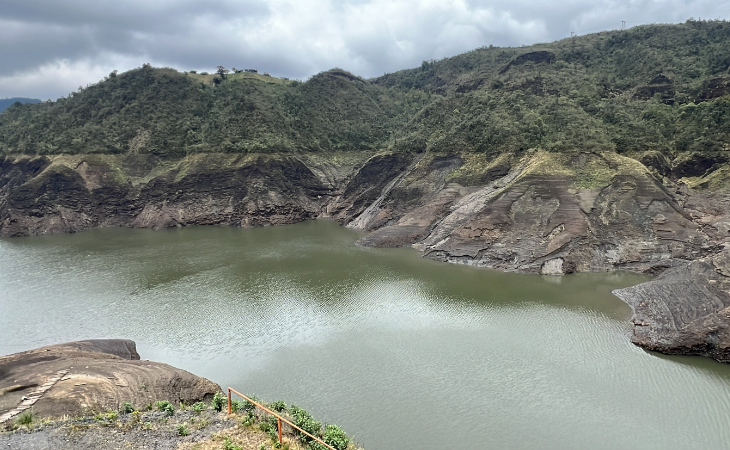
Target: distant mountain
{"type": "Point", "coordinates": [5, 102]}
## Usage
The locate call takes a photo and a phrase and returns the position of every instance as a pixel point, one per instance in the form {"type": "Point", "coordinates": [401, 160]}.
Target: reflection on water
{"type": "Point", "coordinates": [402, 351]}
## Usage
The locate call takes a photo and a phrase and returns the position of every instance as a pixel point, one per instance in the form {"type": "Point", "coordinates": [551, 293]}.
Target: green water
{"type": "Point", "coordinates": [401, 351]}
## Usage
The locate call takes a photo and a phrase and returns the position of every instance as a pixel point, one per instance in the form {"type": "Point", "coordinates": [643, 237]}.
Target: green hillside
{"type": "Point", "coordinates": [5, 102]}
{"type": "Point", "coordinates": [658, 93]}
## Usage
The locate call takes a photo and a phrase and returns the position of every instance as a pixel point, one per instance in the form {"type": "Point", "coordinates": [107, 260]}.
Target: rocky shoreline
{"type": "Point", "coordinates": [535, 212]}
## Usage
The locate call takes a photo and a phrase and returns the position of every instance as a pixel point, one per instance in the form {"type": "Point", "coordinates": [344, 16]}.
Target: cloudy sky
{"type": "Point", "coordinates": [49, 48]}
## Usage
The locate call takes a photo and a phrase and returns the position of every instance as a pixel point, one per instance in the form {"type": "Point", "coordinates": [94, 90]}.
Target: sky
{"type": "Point", "coordinates": [48, 48]}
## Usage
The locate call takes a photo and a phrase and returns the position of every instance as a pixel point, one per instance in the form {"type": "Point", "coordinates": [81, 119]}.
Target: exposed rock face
{"type": "Point", "coordinates": [40, 195]}
{"type": "Point", "coordinates": [686, 310]}
{"type": "Point", "coordinates": [102, 374]}
{"type": "Point", "coordinates": [531, 220]}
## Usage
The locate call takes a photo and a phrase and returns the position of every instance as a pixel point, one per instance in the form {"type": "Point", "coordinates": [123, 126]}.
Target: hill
{"type": "Point", "coordinates": [5, 102]}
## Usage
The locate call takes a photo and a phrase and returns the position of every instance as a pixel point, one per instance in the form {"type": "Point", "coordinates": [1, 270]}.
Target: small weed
{"type": "Point", "coordinates": [148, 425]}
{"type": "Point", "coordinates": [136, 417]}
{"type": "Point", "coordinates": [161, 404]}
{"type": "Point", "coordinates": [199, 407]}
{"type": "Point", "coordinates": [148, 407]}
{"type": "Point", "coordinates": [27, 418]}
{"type": "Point", "coordinates": [182, 430]}
{"type": "Point", "coordinates": [218, 400]}
{"type": "Point", "coordinates": [202, 424]}
{"type": "Point", "coordinates": [262, 446]}
{"type": "Point", "coordinates": [99, 417]}
{"type": "Point", "coordinates": [112, 416]}
{"type": "Point", "coordinates": [228, 445]}
{"type": "Point", "coordinates": [127, 407]}
{"type": "Point", "coordinates": [166, 407]}
{"type": "Point", "coordinates": [237, 405]}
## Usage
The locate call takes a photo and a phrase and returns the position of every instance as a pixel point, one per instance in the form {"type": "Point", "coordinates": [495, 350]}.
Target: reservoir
{"type": "Point", "coordinates": [400, 351]}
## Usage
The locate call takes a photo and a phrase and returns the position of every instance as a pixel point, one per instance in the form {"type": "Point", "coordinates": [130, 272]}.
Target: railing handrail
{"type": "Point", "coordinates": [281, 419]}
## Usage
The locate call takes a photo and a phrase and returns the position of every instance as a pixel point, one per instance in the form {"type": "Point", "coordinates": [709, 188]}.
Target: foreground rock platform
{"type": "Point", "coordinates": [93, 375]}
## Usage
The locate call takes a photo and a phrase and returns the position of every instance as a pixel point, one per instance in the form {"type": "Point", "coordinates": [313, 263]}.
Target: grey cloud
{"type": "Point", "coordinates": [294, 38]}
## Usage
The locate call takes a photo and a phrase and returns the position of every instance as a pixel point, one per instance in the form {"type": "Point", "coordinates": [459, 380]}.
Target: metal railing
{"type": "Point", "coordinates": [280, 419]}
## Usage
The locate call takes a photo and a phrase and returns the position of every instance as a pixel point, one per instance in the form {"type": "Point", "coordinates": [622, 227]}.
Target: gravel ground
{"type": "Point", "coordinates": [151, 430]}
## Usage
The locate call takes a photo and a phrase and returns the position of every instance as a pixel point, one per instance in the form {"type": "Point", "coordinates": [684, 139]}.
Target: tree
{"type": "Point", "coordinates": [222, 71]}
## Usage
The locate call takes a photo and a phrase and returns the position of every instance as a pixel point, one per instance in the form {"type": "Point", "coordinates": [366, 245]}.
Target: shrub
{"type": "Point", "coordinates": [278, 406]}
{"type": "Point", "coordinates": [306, 422]}
{"type": "Point", "coordinates": [160, 405]}
{"type": "Point", "coordinates": [182, 430]}
{"type": "Point", "coordinates": [127, 407]}
{"type": "Point", "coordinates": [166, 407]}
{"type": "Point", "coordinates": [218, 400]}
{"type": "Point", "coordinates": [249, 406]}
{"type": "Point", "coordinates": [334, 436]}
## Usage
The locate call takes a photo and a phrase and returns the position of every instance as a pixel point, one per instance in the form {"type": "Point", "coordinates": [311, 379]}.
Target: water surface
{"type": "Point", "coordinates": [401, 351]}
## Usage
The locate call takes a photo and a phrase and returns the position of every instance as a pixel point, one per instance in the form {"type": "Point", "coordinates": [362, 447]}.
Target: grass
{"type": "Point", "coordinates": [26, 419]}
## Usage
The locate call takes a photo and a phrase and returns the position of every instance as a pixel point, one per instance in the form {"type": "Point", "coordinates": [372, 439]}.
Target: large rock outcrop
{"type": "Point", "coordinates": [686, 310]}
{"type": "Point", "coordinates": [93, 375]}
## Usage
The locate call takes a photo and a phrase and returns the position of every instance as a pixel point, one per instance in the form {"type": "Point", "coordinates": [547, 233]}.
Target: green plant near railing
{"type": "Point", "coordinates": [306, 422]}
{"type": "Point", "coordinates": [218, 401]}
{"type": "Point", "coordinates": [278, 406]}
{"type": "Point", "coordinates": [249, 407]}
{"type": "Point", "coordinates": [238, 405]}
{"type": "Point", "coordinates": [334, 436]}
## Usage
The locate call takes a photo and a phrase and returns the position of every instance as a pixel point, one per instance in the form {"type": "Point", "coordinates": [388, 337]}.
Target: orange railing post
{"type": "Point", "coordinates": [281, 419]}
